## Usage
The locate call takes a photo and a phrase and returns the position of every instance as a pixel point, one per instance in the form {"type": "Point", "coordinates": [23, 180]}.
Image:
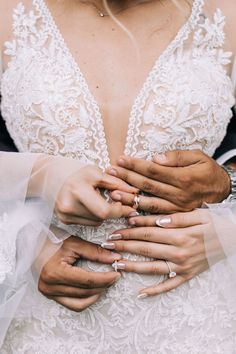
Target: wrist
{"type": "Point", "coordinates": [231, 171]}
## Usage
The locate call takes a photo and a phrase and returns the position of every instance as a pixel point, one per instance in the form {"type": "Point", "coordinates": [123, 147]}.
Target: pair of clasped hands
{"type": "Point", "coordinates": [175, 185]}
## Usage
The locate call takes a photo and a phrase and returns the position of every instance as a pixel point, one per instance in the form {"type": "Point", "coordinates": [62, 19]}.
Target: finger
{"type": "Point", "coordinates": [148, 204]}
{"type": "Point", "coordinates": [178, 220]}
{"type": "Point", "coordinates": [91, 251]}
{"type": "Point", "coordinates": [179, 158]}
{"type": "Point", "coordinates": [154, 268]}
{"type": "Point", "coordinates": [163, 287]}
{"type": "Point", "coordinates": [149, 169]}
{"type": "Point", "coordinates": [111, 182]}
{"type": "Point", "coordinates": [74, 220]}
{"type": "Point", "coordinates": [76, 304]}
{"type": "Point", "coordinates": [146, 249]}
{"type": "Point", "coordinates": [78, 277]}
{"type": "Point", "coordinates": [148, 234]}
{"type": "Point", "coordinates": [183, 220]}
{"type": "Point", "coordinates": [67, 291]}
{"type": "Point", "coordinates": [145, 178]}
{"type": "Point", "coordinates": [144, 220]}
{"type": "Point", "coordinates": [100, 207]}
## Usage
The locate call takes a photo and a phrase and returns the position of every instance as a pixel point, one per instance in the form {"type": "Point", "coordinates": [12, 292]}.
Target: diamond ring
{"type": "Point", "coordinates": [171, 273]}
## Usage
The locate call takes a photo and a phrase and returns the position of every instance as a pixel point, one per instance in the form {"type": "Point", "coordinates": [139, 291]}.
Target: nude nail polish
{"type": "Point", "coordinates": [108, 245]}
{"type": "Point", "coordinates": [118, 266]}
{"type": "Point", "coordinates": [115, 237]}
{"type": "Point", "coordinates": [163, 221]}
{"type": "Point", "coordinates": [134, 213]}
{"type": "Point", "coordinates": [142, 296]}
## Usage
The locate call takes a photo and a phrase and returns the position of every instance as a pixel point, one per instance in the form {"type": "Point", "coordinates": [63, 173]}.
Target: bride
{"type": "Point", "coordinates": [77, 82]}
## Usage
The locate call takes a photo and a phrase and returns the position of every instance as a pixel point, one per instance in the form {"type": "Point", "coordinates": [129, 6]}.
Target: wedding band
{"type": "Point", "coordinates": [136, 201]}
{"type": "Point", "coordinates": [171, 273]}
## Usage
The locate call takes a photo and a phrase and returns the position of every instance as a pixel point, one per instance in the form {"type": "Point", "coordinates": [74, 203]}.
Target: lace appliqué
{"type": "Point", "coordinates": [185, 103]}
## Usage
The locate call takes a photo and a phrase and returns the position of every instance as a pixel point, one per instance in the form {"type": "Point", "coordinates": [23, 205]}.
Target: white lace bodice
{"type": "Point", "coordinates": [184, 103]}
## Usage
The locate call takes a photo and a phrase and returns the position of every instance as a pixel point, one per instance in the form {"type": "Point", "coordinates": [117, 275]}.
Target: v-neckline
{"type": "Point", "coordinates": [136, 110]}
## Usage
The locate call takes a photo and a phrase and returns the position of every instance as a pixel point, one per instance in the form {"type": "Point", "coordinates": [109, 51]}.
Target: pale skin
{"type": "Point", "coordinates": [119, 69]}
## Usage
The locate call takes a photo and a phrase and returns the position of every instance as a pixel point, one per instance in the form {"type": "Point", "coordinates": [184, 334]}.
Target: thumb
{"type": "Point", "coordinates": [178, 158]}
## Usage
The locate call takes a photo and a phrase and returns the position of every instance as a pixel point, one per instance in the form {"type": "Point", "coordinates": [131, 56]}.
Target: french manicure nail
{"type": "Point", "coordinates": [134, 213]}
{"type": "Point", "coordinates": [142, 296]}
{"type": "Point", "coordinates": [115, 237]}
{"type": "Point", "coordinates": [163, 221]}
{"type": "Point", "coordinates": [108, 245]}
{"type": "Point", "coordinates": [118, 266]}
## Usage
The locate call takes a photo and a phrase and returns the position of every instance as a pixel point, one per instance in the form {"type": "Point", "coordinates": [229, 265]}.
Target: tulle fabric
{"type": "Point", "coordinates": [29, 184]}
{"type": "Point", "coordinates": [220, 246]}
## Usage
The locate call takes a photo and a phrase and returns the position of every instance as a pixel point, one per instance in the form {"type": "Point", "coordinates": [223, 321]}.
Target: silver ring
{"type": "Point", "coordinates": [136, 201]}
{"type": "Point", "coordinates": [171, 273]}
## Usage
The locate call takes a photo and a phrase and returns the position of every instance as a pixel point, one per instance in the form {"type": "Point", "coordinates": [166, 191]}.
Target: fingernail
{"type": "Point", "coordinates": [108, 245]}
{"type": "Point", "coordinates": [117, 256]}
{"type": "Point", "coordinates": [118, 266]}
{"type": "Point", "coordinates": [134, 213]}
{"type": "Point", "coordinates": [160, 157]}
{"type": "Point", "coordinates": [132, 222]}
{"type": "Point", "coordinates": [163, 221]}
{"type": "Point", "coordinates": [142, 296]}
{"type": "Point", "coordinates": [113, 172]}
{"type": "Point", "coordinates": [115, 237]}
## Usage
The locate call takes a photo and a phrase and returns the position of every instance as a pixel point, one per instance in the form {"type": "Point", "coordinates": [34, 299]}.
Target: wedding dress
{"type": "Point", "coordinates": [185, 103]}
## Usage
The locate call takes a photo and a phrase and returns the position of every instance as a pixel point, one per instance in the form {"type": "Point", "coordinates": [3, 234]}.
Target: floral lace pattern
{"type": "Point", "coordinates": [184, 103]}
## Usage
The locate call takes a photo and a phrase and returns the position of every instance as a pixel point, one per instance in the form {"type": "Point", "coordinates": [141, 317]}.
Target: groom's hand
{"type": "Point", "coordinates": [71, 286]}
{"type": "Point", "coordinates": [177, 181]}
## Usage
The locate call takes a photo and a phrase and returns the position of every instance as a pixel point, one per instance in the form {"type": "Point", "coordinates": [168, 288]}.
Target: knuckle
{"type": "Point", "coordinates": [147, 186]}
{"type": "Point", "coordinates": [64, 207]}
{"type": "Point", "coordinates": [181, 256]}
{"type": "Point", "coordinates": [155, 269]}
{"type": "Point", "coordinates": [145, 251]}
{"type": "Point", "coordinates": [185, 179]}
{"type": "Point", "coordinates": [179, 158]}
{"type": "Point", "coordinates": [153, 207]}
{"type": "Point", "coordinates": [47, 275]}
{"type": "Point", "coordinates": [151, 169]}
{"type": "Point", "coordinates": [90, 282]}
{"type": "Point", "coordinates": [181, 240]}
{"type": "Point", "coordinates": [43, 288]}
{"type": "Point", "coordinates": [146, 235]}
{"type": "Point", "coordinates": [103, 212]}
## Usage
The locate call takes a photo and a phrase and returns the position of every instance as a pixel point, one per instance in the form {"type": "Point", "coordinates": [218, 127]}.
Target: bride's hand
{"type": "Point", "coordinates": [80, 201]}
{"type": "Point", "coordinates": [177, 181]}
{"type": "Point", "coordinates": [71, 286]}
{"type": "Point", "coordinates": [178, 239]}
{"type": "Point", "coordinates": [75, 190]}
